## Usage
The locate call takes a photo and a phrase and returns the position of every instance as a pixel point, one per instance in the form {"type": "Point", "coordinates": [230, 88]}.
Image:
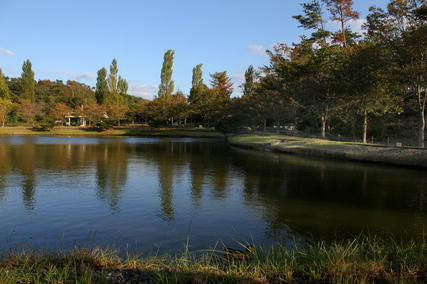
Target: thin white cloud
{"type": "Point", "coordinates": [6, 51]}
{"type": "Point", "coordinates": [256, 49]}
{"type": "Point", "coordinates": [88, 76]}
{"type": "Point", "coordinates": [355, 25]}
{"type": "Point", "coordinates": [144, 91]}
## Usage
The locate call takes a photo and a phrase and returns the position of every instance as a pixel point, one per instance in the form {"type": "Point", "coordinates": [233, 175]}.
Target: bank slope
{"type": "Point", "coordinates": [399, 156]}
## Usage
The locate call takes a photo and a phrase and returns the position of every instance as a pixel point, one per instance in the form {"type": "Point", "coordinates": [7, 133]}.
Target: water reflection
{"type": "Point", "coordinates": [111, 172]}
{"type": "Point", "coordinates": [277, 195]}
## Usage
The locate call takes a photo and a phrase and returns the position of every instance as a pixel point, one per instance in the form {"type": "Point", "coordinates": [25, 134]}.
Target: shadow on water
{"type": "Point", "coordinates": [152, 181]}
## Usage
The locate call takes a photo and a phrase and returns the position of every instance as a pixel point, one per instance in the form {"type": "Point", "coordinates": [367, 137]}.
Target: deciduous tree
{"type": "Point", "coordinates": [27, 81]}
{"type": "Point", "coordinates": [166, 83]}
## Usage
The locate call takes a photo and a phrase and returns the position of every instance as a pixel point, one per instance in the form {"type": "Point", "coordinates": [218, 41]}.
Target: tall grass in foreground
{"type": "Point", "coordinates": [361, 260]}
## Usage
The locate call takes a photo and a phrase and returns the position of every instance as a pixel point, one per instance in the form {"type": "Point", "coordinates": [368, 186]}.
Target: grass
{"type": "Point", "coordinates": [361, 260]}
{"type": "Point", "coordinates": [401, 156]}
{"type": "Point", "coordinates": [122, 131]}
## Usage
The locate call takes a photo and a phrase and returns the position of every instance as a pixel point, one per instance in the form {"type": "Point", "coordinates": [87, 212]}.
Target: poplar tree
{"type": "Point", "coordinates": [166, 86]}
{"type": "Point", "coordinates": [101, 90]}
{"type": "Point", "coordinates": [196, 92]}
{"type": "Point", "coordinates": [4, 89]}
{"type": "Point", "coordinates": [27, 81]}
{"type": "Point", "coordinates": [122, 86]}
{"type": "Point", "coordinates": [249, 85]}
{"type": "Point", "coordinates": [112, 81]}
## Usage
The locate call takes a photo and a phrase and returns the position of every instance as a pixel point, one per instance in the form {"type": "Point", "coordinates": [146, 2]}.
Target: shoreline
{"type": "Point", "coordinates": [319, 148]}
{"type": "Point", "coordinates": [362, 259]}
{"type": "Point", "coordinates": [119, 131]}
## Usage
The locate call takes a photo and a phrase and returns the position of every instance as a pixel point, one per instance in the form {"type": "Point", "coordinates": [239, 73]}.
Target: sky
{"type": "Point", "coordinates": [71, 40]}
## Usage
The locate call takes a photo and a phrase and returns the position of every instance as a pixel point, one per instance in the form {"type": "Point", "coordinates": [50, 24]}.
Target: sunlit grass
{"type": "Point", "coordinates": [131, 131]}
{"type": "Point", "coordinates": [360, 260]}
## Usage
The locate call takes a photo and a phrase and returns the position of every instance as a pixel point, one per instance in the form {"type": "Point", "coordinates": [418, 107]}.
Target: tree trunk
{"type": "Point", "coordinates": [265, 125]}
{"type": "Point", "coordinates": [324, 121]}
{"type": "Point", "coordinates": [422, 123]}
{"type": "Point", "coordinates": [365, 126]}
{"type": "Point", "coordinates": [295, 120]}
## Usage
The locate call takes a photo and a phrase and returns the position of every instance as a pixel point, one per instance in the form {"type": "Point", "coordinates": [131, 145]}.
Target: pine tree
{"type": "Point", "coordinates": [27, 80]}
{"type": "Point", "coordinates": [166, 86]}
{"type": "Point", "coordinates": [313, 20]}
{"type": "Point", "coordinates": [342, 11]}
{"type": "Point", "coordinates": [101, 90]}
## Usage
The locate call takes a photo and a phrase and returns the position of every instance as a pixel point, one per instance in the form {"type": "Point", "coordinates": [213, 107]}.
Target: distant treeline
{"type": "Point", "coordinates": [334, 83]}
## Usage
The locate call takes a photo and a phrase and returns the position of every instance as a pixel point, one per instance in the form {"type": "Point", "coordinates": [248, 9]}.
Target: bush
{"type": "Point", "coordinates": [105, 124]}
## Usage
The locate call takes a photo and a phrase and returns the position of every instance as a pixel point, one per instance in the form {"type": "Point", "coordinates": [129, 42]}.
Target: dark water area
{"type": "Point", "coordinates": [153, 193]}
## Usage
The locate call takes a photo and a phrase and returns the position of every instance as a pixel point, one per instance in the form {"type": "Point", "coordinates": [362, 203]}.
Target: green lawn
{"type": "Point", "coordinates": [131, 131]}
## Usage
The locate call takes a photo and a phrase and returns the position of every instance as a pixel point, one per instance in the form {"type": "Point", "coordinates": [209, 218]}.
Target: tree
{"type": "Point", "coordinates": [366, 67]}
{"type": "Point", "coordinates": [117, 111]}
{"type": "Point", "coordinates": [313, 20]}
{"type": "Point", "coordinates": [28, 111]}
{"type": "Point", "coordinates": [122, 85]}
{"type": "Point", "coordinates": [59, 112]}
{"type": "Point", "coordinates": [197, 91]}
{"type": "Point", "coordinates": [112, 82]}
{"type": "Point", "coordinates": [101, 89]}
{"type": "Point", "coordinates": [342, 11]}
{"type": "Point", "coordinates": [166, 83]}
{"type": "Point", "coordinates": [250, 85]}
{"type": "Point", "coordinates": [221, 82]}
{"type": "Point", "coordinates": [5, 106]}
{"type": "Point", "coordinates": [27, 81]}
{"type": "Point", "coordinates": [94, 113]}
{"type": "Point", "coordinates": [4, 89]}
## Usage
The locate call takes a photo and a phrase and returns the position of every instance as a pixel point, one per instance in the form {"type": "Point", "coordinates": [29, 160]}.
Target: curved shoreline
{"type": "Point", "coordinates": [407, 157]}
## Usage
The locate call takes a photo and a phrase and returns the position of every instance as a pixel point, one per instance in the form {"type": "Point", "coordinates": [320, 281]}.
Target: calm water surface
{"type": "Point", "coordinates": [153, 193]}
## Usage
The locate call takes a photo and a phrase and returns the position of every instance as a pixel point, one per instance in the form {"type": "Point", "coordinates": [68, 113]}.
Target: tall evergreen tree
{"type": "Point", "coordinates": [166, 86]}
{"type": "Point", "coordinates": [101, 89]}
{"type": "Point", "coordinates": [4, 89]}
{"type": "Point", "coordinates": [27, 81]}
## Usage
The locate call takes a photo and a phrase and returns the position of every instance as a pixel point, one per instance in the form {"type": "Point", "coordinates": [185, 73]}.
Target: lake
{"type": "Point", "coordinates": [152, 194]}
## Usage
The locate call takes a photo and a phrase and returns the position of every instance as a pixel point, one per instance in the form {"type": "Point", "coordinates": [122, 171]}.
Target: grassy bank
{"type": "Point", "coordinates": [123, 131]}
{"type": "Point", "coordinates": [400, 156]}
{"type": "Point", "coordinates": [362, 260]}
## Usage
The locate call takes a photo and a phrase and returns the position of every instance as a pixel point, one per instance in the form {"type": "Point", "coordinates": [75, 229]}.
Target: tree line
{"type": "Point", "coordinates": [333, 83]}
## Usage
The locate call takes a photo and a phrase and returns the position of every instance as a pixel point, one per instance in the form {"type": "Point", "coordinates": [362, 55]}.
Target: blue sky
{"type": "Point", "coordinates": [71, 40]}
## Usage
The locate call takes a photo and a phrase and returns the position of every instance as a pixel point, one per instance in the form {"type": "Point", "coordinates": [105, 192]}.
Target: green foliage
{"type": "Point", "coordinates": [105, 124]}
{"type": "Point", "coordinates": [166, 86]}
{"type": "Point", "coordinates": [4, 89]}
{"type": "Point", "coordinates": [197, 92]}
{"type": "Point", "coordinates": [27, 81]}
{"type": "Point", "coordinates": [250, 85]}
{"type": "Point", "coordinates": [101, 90]}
